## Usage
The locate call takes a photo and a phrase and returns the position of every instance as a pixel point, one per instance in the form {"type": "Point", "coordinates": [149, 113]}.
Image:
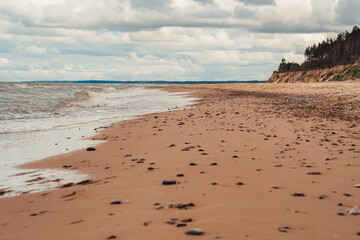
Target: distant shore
{"type": "Point", "coordinates": [249, 161]}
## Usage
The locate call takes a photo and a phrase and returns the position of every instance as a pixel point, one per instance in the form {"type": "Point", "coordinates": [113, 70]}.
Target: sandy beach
{"type": "Point", "coordinates": [248, 161]}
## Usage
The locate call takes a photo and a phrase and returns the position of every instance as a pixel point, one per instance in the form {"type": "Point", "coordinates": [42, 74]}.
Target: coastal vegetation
{"type": "Point", "coordinates": [342, 50]}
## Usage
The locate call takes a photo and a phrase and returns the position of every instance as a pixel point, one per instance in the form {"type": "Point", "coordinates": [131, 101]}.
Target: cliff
{"type": "Point", "coordinates": [337, 73]}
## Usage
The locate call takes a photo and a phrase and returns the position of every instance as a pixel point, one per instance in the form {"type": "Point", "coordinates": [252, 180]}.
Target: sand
{"type": "Point", "coordinates": [262, 161]}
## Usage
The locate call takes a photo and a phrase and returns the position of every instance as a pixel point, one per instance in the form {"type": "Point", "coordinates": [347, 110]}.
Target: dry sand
{"type": "Point", "coordinates": [255, 159]}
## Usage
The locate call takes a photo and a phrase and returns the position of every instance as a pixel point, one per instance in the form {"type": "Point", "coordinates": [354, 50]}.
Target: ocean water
{"type": "Point", "coordinates": [39, 120]}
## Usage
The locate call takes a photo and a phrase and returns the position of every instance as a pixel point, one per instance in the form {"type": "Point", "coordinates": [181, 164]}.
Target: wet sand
{"type": "Point", "coordinates": [264, 161]}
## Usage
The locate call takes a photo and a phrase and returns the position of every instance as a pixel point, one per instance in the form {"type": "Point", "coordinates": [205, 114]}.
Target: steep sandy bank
{"type": "Point", "coordinates": [337, 73]}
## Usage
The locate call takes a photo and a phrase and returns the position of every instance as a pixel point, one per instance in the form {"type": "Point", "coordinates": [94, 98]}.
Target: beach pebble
{"type": "Point", "coordinates": [181, 225]}
{"type": "Point", "coordinates": [298, 194]}
{"type": "Point", "coordinates": [284, 229]}
{"type": "Point", "coordinates": [112, 237]}
{"type": "Point", "coordinates": [357, 185]}
{"type": "Point", "coordinates": [353, 211]}
{"type": "Point", "coordinates": [90, 149]}
{"type": "Point", "coordinates": [239, 183]}
{"type": "Point", "coordinates": [180, 175]}
{"type": "Point", "coordinates": [169, 182]}
{"type": "Point", "coordinates": [213, 164]}
{"type": "Point", "coordinates": [115, 202]}
{"type": "Point", "coordinates": [194, 231]}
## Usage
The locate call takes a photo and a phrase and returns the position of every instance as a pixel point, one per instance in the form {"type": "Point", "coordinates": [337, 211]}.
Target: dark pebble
{"type": "Point", "coordinates": [214, 183]}
{"type": "Point", "coordinates": [112, 237]}
{"type": "Point", "coordinates": [195, 231]}
{"type": "Point", "coordinates": [347, 194]}
{"type": "Point", "coordinates": [239, 183]}
{"type": "Point", "coordinates": [192, 164]}
{"type": "Point", "coordinates": [213, 164]}
{"type": "Point", "coordinates": [180, 175]}
{"type": "Point", "coordinates": [181, 225]}
{"type": "Point", "coordinates": [115, 202]}
{"type": "Point", "coordinates": [33, 214]}
{"type": "Point", "coordinates": [169, 182]}
{"type": "Point", "coordinates": [314, 173]}
{"type": "Point", "coordinates": [341, 214]}
{"type": "Point", "coordinates": [322, 197]}
{"type": "Point", "coordinates": [340, 204]}
{"type": "Point", "coordinates": [150, 168]}
{"type": "Point", "coordinates": [90, 149]}
{"type": "Point", "coordinates": [298, 194]}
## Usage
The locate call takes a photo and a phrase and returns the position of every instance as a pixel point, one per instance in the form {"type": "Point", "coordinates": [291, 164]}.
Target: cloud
{"type": "Point", "coordinates": [348, 12]}
{"type": "Point", "coordinates": [4, 62]}
{"type": "Point", "coordinates": [36, 50]}
{"type": "Point", "coordinates": [163, 40]}
{"type": "Point", "coordinates": [258, 2]}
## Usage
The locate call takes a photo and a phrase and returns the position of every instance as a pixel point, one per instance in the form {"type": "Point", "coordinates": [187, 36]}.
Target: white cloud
{"type": "Point", "coordinates": [168, 40]}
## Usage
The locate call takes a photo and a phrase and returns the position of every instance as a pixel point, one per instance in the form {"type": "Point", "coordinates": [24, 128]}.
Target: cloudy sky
{"type": "Point", "coordinates": [162, 39]}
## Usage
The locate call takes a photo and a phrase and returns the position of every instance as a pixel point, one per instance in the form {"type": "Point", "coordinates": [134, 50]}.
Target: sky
{"type": "Point", "coordinates": [172, 40]}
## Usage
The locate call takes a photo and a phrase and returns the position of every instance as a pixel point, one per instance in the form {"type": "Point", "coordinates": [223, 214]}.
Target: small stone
{"type": "Point", "coordinates": [214, 183]}
{"type": "Point", "coordinates": [115, 202]}
{"type": "Point", "coordinates": [33, 214]}
{"type": "Point", "coordinates": [169, 182]}
{"type": "Point", "coordinates": [112, 237]}
{"type": "Point", "coordinates": [322, 197]}
{"type": "Point", "coordinates": [314, 173]}
{"type": "Point", "coordinates": [213, 164]}
{"type": "Point", "coordinates": [192, 164]}
{"type": "Point", "coordinates": [353, 211]}
{"type": "Point", "coordinates": [347, 194]}
{"type": "Point", "coordinates": [298, 194]}
{"type": "Point", "coordinates": [187, 220]}
{"type": "Point", "coordinates": [180, 175]}
{"type": "Point", "coordinates": [194, 231]}
{"type": "Point", "coordinates": [340, 204]}
{"type": "Point", "coordinates": [357, 185]}
{"type": "Point", "coordinates": [284, 229]}
{"type": "Point", "coordinates": [90, 149]}
{"type": "Point", "coordinates": [181, 225]}
{"type": "Point", "coordinates": [358, 233]}
{"type": "Point", "coordinates": [341, 214]}
{"type": "Point", "coordinates": [239, 183]}
{"type": "Point", "coordinates": [150, 168]}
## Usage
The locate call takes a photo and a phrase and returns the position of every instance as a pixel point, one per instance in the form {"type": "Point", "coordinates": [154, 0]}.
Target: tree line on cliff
{"type": "Point", "coordinates": [344, 49]}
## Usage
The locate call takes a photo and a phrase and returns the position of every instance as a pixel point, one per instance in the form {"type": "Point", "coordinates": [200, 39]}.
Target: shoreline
{"type": "Point", "coordinates": [253, 151]}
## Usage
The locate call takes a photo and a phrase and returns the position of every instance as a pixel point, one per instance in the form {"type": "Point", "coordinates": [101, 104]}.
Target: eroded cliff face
{"type": "Point", "coordinates": [318, 75]}
{"type": "Point", "coordinates": [337, 73]}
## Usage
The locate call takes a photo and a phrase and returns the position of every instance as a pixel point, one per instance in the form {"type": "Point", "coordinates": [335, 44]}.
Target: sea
{"type": "Point", "coordinates": [44, 119]}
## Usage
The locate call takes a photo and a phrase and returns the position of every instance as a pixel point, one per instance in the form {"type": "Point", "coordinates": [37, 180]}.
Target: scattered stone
{"type": "Point", "coordinates": [347, 194]}
{"type": "Point", "coordinates": [284, 229]}
{"type": "Point", "coordinates": [353, 211]}
{"type": "Point", "coordinates": [115, 202]}
{"type": "Point", "coordinates": [66, 185]}
{"type": "Point", "coordinates": [181, 225]}
{"type": "Point", "coordinates": [298, 194]}
{"type": "Point", "coordinates": [214, 183]}
{"type": "Point", "coordinates": [239, 183]}
{"type": "Point", "coordinates": [341, 214]}
{"type": "Point", "coordinates": [213, 164]}
{"type": "Point", "coordinates": [235, 156]}
{"type": "Point", "coordinates": [90, 149]}
{"type": "Point", "coordinates": [147, 223]}
{"type": "Point", "coordinates": [112, 237]}
{"type": "Point", "coordinates": [357, 185]}
{"type": "Point", "coordinates": [194, 231]}
{"type": "Point", "coordinates": [279, 165]}
{"type": "Point", "coordinates": [187, 220]}
{"type": "Point", "coordinates": [184, 205]}
{"type": "Point", "coordinates": [180, 175]}
{"type": "Point", "coordinates": [85, 182]}
{"type": "Point", "coordinates": [33, 214]}
{"type": "Point", "coordinates": [169, 182]}
{"type": "Point", "coordinates": [172, 145]}
{"type": "Point", "coordinates": [314, 173]}
{"type": "Point", "coordinates": [150, 168]}
{"type": "Point", "coordinates": [192, 164]}
{"type": "Point", "coordinates": [322, 197]}
{"type": "Point", "coordinates": [340, 204]}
